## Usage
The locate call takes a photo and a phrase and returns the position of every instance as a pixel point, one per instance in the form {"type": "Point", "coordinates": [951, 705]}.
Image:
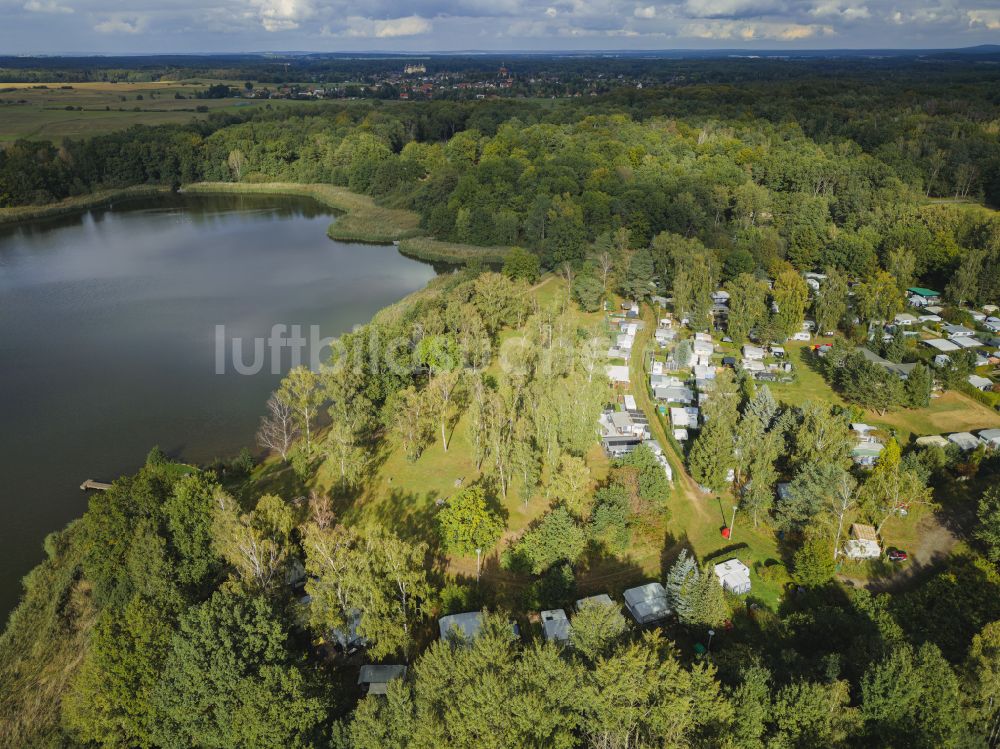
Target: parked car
{"type": "Point", "coordinates": [897, 555]}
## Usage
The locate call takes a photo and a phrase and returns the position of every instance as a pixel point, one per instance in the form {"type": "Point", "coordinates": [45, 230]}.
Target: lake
{"type": "Point", "coordinates": [108, 327]}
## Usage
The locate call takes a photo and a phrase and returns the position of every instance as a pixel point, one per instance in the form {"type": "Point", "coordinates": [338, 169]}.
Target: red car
{"type": "Point", "coordinates": [897, 555]}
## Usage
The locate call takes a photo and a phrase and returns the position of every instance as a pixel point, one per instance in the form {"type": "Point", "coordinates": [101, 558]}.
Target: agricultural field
{"type": "Point", "coordinates": [81, 110]}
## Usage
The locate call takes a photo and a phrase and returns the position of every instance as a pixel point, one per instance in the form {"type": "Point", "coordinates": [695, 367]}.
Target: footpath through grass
{"type": "Point", "coordinates": [696, 518]}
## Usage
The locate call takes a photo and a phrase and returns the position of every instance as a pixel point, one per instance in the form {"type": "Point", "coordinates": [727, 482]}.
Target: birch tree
{"type": "Point", "coordinates": [277, 430]}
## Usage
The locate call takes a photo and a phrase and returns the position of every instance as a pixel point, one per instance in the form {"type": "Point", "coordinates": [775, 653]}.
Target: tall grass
{"type": "Point", "coordinates": [362, 219]}
{"type": "Point", "coordinates": [76, 204]}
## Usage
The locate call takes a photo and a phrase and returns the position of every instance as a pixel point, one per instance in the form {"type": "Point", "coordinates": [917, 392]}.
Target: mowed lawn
{"type": "Point", "coordinates": [951, 412]}
{"type": "Point", "coordinates": [88, 109]}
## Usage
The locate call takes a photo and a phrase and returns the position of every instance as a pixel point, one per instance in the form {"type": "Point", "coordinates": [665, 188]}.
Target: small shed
{"type": "Point", "coordinates": [375, 679]}
{"type": "Point", "coordinates": [863, 543]}
{"type": "Point", "coordinates": [555, 626]}
{"type": "Point", "coordinates": [647, 603]}
{"type": "Point", "coordinates": [734, 576]}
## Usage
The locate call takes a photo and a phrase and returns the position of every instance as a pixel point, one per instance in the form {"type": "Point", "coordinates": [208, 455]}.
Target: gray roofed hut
{"type": "Point", "coordinates": [375, 679]}
{"type": "Point", "coordinates": [647, 603]}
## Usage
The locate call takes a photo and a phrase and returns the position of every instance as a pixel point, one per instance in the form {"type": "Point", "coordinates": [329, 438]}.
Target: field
{"type": "Point", "coordinates": [81, 110]}
{"type": "Point", "coordinates": [951, 412]}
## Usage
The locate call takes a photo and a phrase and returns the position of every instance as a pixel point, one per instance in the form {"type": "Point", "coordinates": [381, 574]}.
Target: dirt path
{"type": "Point", "coordinates": [935, 544]}
{"type": "Point", "coordinates": [683, 483]}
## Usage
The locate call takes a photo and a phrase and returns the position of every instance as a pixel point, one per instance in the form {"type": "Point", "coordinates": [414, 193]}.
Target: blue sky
{"type": "Point", "coordinates": [137, 26]}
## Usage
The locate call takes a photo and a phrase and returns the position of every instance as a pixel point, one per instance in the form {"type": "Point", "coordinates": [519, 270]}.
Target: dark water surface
{"type": "Point", "coordinates": [108, 340]}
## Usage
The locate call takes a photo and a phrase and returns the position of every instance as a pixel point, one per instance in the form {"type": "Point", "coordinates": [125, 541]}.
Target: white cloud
{"type": "Point", "coordinates": [388, 28]}
{"type": "Point", "coordinates": [731, 8]}
{"type": "Point", "coordinates": [648, 12]}
{"type": "Point", "coordinates": [283, 15]}
{"type": "Point", "coordinates": [551, 12]}
{"type": "Point", "coordinates": [985, 18]}
{"type": "Point", "coordinates": [763, 30]}
{"type": "Point", "coordinates": [839, 9]}
{"type": "Point", "coordinates": [41, 6]}
{"type": "Point", "coordinates": [121, 25]}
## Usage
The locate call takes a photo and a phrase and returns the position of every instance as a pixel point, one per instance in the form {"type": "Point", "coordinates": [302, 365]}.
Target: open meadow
{"type": "Point", "coordinates": [53, 111]}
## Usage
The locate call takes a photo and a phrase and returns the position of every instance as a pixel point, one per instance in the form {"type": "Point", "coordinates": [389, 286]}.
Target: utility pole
{"type": "Point", "coordinates": [733, 522]}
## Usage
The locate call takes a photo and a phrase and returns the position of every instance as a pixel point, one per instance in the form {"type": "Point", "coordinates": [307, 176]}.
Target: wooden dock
{"type": "Point", "coordinates": [90, 484]}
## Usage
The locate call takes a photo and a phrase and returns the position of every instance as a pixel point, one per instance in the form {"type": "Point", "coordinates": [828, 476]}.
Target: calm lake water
{"type": "Point", "coordinates": [108, 340]}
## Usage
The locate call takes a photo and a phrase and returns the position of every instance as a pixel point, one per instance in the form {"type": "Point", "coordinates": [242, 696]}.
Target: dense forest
{"type": "Point", "coordinates": [214, 606]}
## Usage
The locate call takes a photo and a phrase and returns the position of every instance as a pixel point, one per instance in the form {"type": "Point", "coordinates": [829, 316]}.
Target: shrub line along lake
{"type": "Point", "coordinates": [108, 341]}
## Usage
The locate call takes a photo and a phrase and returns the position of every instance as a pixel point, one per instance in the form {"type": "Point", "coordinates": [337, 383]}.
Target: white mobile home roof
{"type": "Point", "coordinates": [618, 373]}
{"type": "Point", "coordinates": [990, 437]}
{"type": "Point", "coordinates": [980, 383]}
{"type": "Point", "coordinates": [555, 625]}
{"type": "Point", "coordinates": [932, 440]}
{"type": "Point", "coordinates": [647, 603]}
{"type": "Point", "coordinates": [602, 599]}
{"type": "Point", "coordinates": [942, 344]}
{"type": "Point", "coordinates": [630, 402]}
{"type": "Point", "coordinates": [964, 440]}
{"type": "Point", "coordinates": [467, 625]}
{"type": "Point", "coordinates": [969, 342]}
{"type": "Point", "coordinates": [733, 576]}
{"type": "Point", "coordinates": [679, 417]}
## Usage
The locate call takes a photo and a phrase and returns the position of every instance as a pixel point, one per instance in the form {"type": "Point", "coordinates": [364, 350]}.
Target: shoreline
{"type": "Point", "coordinates": [20, 214]}
{"type": "Point", "coordinates": [361, 219]}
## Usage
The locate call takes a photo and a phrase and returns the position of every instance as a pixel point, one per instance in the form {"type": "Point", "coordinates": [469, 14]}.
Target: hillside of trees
{"type": "Point", "coordinates": [197, 606]}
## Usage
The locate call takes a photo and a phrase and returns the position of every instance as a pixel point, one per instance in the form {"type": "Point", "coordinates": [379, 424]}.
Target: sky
{"type": "Point", "coordinates": [206, 26]}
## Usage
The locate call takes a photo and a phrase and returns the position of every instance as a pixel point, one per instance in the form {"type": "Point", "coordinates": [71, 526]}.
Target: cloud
{"type": "Point", "coordinates": [121, 25]}
{"type": "Point", "coordinates": [388, 28]}
{"type": "Point", "coordinates": [648, 12]}
{"type": "Point", "coordinates": [764, 30]}
{"type": "Point", "coordinates": [283, 15]}
{"type": "Point", "coordinates": [732, 8]}
{"type": "Point", "coordinates": [988, 19]}
{"type": "Point", "coordinates": [41, 6]}
{"type": "Point", "coordinates": [838, 9]}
